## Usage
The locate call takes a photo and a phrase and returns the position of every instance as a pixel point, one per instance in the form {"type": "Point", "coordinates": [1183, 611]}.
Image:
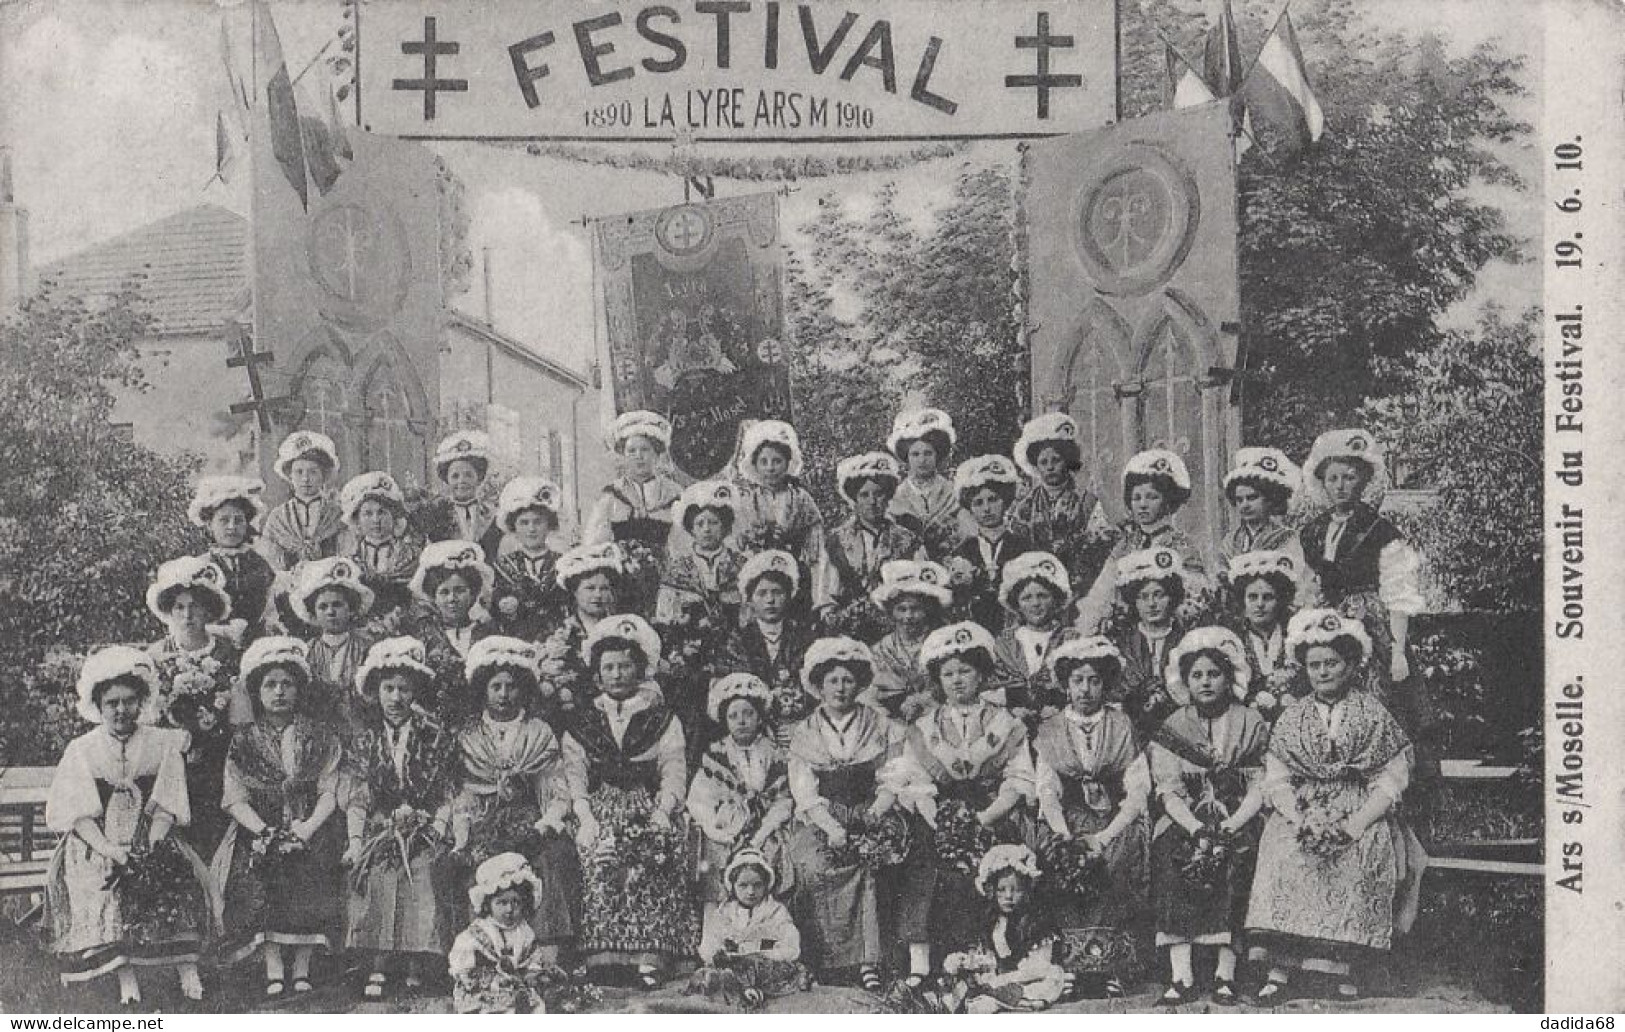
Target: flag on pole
{"type": "Point", "coordinates": [1221, 55]}
{"type": "Point", "coordinates": [1278, 93]}
{"type": "Point", "coordinates": [225, 148]}
{"type": "Point", "coordinates": [287, 139]}
{"type": "Point", "coordinates": [1183, 86]}
{"type": "Point", "coordinates": [234, 81]}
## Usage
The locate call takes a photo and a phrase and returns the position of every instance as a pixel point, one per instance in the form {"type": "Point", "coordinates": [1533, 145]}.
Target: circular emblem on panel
{"type": "Point", "coordinates": [684, 230]}
{"type": "Point", "coordinates": [1133, 220]}
{"type": "Point", "coordinates": [361, 262]}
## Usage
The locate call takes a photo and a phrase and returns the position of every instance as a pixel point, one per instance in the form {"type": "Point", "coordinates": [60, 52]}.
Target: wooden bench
{"type": "Point", "coordinates": [25, 843]}
{"type": "Point", "coordinates": [1514, 857]}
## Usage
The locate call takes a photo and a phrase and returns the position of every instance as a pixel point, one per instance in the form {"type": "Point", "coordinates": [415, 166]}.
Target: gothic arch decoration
{"type": "Point", "coordinates": [395, 418]}
{"type": "Point", "coordinates": [321, 393]}
{"type": "Point", "coordinates": [1094, 355]}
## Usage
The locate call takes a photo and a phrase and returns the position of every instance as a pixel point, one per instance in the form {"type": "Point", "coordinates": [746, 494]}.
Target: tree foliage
{"type": "Point", "coordinates": [1469, 424]}
{"type": "Point", "coordinates": [86, 515]}
{"type": "Point", "coordinates": [902, 304]}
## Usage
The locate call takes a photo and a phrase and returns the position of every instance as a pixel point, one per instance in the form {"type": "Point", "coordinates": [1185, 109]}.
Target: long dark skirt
{"type": "Point", "coordinates": [1103, 936]}
{"type": "Point", "coordinates": [1186, 909]}
{"type": "Point", "coordinates": [297, 902]}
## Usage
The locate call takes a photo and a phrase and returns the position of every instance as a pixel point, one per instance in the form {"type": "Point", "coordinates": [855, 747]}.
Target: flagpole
{"type": "Point", "coordinates": [262, 452]}
{"type": "Point", "coordinates": [1117, 60]}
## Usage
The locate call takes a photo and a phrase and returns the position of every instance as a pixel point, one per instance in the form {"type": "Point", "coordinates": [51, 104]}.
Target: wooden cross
{"type": "Point", "coordinates": [1238, 377]}
{"type": "Point", "coordinates": [241, 355]}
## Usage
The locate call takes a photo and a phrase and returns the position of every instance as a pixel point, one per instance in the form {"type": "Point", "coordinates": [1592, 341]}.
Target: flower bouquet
{"type": "Point", "coordinates": [961, 841]}
{"type": "Point", "coordinates": [405, 834]}
{"type": "Point", "coordinates": [562, 677]}
{"type": "Point", "coordinates": [1072, 866]}
{"type": "Point", "coordinates": [874, 842]}
{"type": "Point", "coordinates": [1206, 858]}
{"type": "Point", "coordinates": [1322, 837]}
{"type": "Point", "coordinates": [197, 694]}
{"type": "Point", "coordinates": [860, 618]}
{"type": "Point", "coordinates": [156, 890]}
{"type": "Point", "coordinates": [790, 702]}
{"type": "Point", "coordinates": [273, 846]}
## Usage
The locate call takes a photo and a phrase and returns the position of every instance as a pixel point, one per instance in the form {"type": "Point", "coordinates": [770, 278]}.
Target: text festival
{"type": "Point", "coordinates": [614, 47]}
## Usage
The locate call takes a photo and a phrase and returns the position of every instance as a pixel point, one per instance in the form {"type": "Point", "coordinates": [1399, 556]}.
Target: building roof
{"type": "Point", "coordinates": [196, 267]}
{"type": "Point", "coordinates": [195, 264]}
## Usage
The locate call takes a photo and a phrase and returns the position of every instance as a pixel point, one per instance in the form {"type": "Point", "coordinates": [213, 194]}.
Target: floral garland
{"type": "Point", "coordinates": [685, 163]}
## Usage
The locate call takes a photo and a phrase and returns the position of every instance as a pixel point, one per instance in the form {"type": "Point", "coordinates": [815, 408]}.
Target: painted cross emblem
{"type": "Point", "coordinates": [684, 230]}
{"type": "Point", "coordinates": [431, 49]}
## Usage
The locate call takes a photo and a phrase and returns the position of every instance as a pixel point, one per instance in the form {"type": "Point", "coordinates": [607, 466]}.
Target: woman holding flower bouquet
{"type": "Point", "coordinates": [967, 774]}
{"type": "Point", "coordinates": [740, 796]}
{"type": "Point", "coordinates": [1263, 587]}
{"type": "Point", "coordinates": [1207, 767]}
{"type": "Point", "coordinates": [1037, 593]}
{"type": "Point", "coordinates": [636, 509]}
{"type": "Point", "coordinates": [1093, 787]}
{"type": "Point", "coordinates": [197, 668]}
{"type": "Point", "coordinates": [914, 596]}
{"type": "Point", "coordinates": [926, 502]}
{"type": "Point", "coordinates": [515, 794]}
{"type": "Point", "coordinates": [627, 780]}
{"type": "Point", "coordinates": [1337, 868]}
{"type": "Point", "coordinates": [277, 870]}
{"type": "Point", "coordinates": [849, 562]}
{"type": "Point", "coordinates": [398, 800]}
{"type": "Point", "coordinates": [847, 827]}
{"type": "Point", "coordinates": [120, 892]}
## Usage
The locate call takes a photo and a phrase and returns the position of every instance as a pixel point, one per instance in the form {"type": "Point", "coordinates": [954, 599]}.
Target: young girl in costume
{"type": "Point", "coordinates": [515, 795]}
{"type": "Point", "coordinates": [527, 602]}
{"type": "Point", "coordinates": [986, 486]}
{"type": "Point", "coordinates": [1261, 486]}
{"type": "Point", "coordinates": [636, 509]}
{"type": "Point", "coordinates": [775, 511]}
{"type": "Point", "coordinates": [1013, 966]}
{"type": "Point", "coordinates": [116, 794]}
{"type": "Point", "coordinates": [926, 502]}
{"type": "Point", "coordinates": [750, 949]}
{"type": "Point", "coordinates": [401, 782]}
{"type": "Point", "coordinates": [835, 757]}
{"type": "Point", "coordinates": [1052, 510]}
{"type": "Point", "coordinates": [452, 577]}
{"type": "Point", "coordinates": [1207, 767]}
{"type": "Point", "coordinates": [1152, 584]}
{"type": "Point", "coordinates": [590, 577]}
{"type": "Point", "coordinates": [629, 778]}
{"type": "Point", "coordinates": [462, 462]}
{"type": "Point", "coordinates": [197, 669]}
{"type": "Point", "coordinates": [705, 575]}
{"type": "Point", "coordinates": [914, 596]}
{"type": "Point", "coordinates": [307, 525]}
{"type": "Point", "coordinates": [854, 551]}
{"type": "Point", "coordinates": [277, 870]}
{"type": "Point", "coordinates": [769, 642]}
{"type": "Point", "coordinates": [329, 596]}
{"type": "Point", "coordinates": [1093, 785]}
{"type": "Point", "coordinates": [1156, 485]}
{"type": "Point", "coordinates": [497, 965]}
{"type": "Point", "coordinates": [375, 512]}
{"type": "Point", "coordinates": [740, 795]}
{"type": "Point", "coordinates": [1036, 591]}
{"type": "Point", "coordinates": [969, 756]}
{"type": "Point", "coordinates": [1263, 587]}
{"type": "Point", "coordinates": [227, 508]}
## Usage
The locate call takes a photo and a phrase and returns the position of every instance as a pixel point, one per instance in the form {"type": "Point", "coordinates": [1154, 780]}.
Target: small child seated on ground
{"type": "Point", "coordinates": [496, 964]}
{"type": "Point", "coordinates": [750, 948]}
{"type": "Point", "coordinates": [1015, 965]}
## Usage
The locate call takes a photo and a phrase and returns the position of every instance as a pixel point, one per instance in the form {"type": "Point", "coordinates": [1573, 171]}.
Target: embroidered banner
{"type": "Point", "coordinates": [695, 312]}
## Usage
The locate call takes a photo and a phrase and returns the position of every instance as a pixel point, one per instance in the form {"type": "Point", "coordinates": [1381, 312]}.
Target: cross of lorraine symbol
{"type": "Point", "coordinates": [685, 231]}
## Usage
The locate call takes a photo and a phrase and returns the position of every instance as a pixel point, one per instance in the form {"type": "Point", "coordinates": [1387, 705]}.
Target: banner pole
{"type": "Point", "coordinates": [1117, 60]}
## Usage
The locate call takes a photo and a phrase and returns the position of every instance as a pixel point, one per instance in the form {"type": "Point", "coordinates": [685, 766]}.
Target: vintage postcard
{"type": "Point", "coordinates": [843, 506]}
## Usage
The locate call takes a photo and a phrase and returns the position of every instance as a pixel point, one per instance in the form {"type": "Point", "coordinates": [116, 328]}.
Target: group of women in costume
{"type": "Point", "coordinates": [968, 730]}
